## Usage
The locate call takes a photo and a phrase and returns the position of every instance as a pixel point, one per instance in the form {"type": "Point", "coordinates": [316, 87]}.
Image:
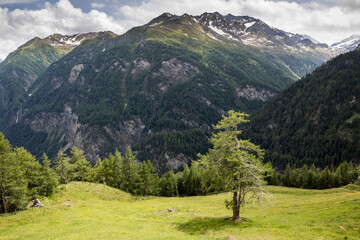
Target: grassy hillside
{"type": "Point", "coordinates": [93, 211]}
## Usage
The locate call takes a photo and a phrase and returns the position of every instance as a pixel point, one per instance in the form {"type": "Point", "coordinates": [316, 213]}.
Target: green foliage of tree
{"type": "Point", "coordinates": [62, 167]}
{"type": "Point", "coordinates": [270, 174]}
{"type": "Point", "coordinates": [13, 184]}
{"type": "Point", "coordinates": [129, 173]}
{"type": "Point", "coordinates": [111, 170]}
{"type": "Point", "coordinates": [148, 180]}
{"type": "Point", "coordinates": [81, 169]}
{"type": "Point", "coordinates": [31, 168]}
{"type": "Point", "coordinates": [181, 179]}
{"type": "Point", "coordinates": [168, 184]}
{"type": "Point", "coordinates": [98, 172]}
{"type": "Point", "coordinates": [48, 180]}
{"type": "Point", "coordinates": [314, 178]}
{"type": "Point", "coordinates": [193, 182]}
{"type": "Point", "coordinates": [236, 163]}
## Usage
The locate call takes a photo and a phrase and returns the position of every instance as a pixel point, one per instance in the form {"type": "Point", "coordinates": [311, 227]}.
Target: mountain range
{"type": "Point", "coordinates": [157, 88]}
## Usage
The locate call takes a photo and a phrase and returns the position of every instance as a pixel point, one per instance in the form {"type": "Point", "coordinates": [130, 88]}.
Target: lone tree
{"type": "Point", "coordinates": [234, 164]}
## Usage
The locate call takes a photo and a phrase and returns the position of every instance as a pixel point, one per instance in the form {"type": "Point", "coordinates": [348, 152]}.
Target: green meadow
{"type": "Point", "coordinates": [95, 211]}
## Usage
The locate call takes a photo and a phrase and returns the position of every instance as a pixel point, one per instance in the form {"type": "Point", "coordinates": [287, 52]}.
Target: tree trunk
{"type": "Point", "coordinates": [3, 196]}
{"type": "Point", "coordinates": [236, 207]}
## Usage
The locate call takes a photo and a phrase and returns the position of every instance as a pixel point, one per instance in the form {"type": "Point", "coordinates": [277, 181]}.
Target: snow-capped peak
{"type": "Point", "coordinates": [348, 44]}
{"type": "Point", "coordinates": [71, 41]}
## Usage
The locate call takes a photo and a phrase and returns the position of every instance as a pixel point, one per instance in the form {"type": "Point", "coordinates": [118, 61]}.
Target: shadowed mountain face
{"type": "Point", "coordinates": [317, 119]}
{"type": "Point", "coordinates": [159, 87]}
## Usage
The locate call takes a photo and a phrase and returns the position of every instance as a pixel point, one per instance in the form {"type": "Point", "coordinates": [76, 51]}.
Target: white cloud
{"type": "Point", "coordinates": [327, 23]}
{"type": "Point", "coordinates": [97, 5]}
{"type": "Point", "coordinates": [19, 26]}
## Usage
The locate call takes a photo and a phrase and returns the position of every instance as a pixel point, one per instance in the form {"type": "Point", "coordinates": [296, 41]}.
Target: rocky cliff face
{"type": "Point", "coordinates": [94, 140]}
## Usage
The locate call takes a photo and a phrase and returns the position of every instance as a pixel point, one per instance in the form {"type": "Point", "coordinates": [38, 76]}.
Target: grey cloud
{"type": "Point", "coordinates": [350, 4]}
{"type": "Point", "coordinates": [3, 2]}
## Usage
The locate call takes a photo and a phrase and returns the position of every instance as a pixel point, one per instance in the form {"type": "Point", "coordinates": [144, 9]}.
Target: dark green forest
{"type": "Point", "coordinates": [315, 120]}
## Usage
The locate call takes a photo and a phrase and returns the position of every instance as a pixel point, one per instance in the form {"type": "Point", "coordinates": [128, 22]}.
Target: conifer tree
{"type": "Point", "coordinates": [168, 185]}
{"type": "Point", "coordinates": [80, 167]}
{"type": "Point", "coordinates": [63, 167]}
{"type": "Point", "coordinates": [182, 179]}
{"type": "Point", "coordinates": [192, 184]}
{"type": "Point", "coordinates": [325, 180]}
{"type": "Point", "coordinates": [304, 172]}
{"type": "Point", "coordinates": [129, 173]}
{"type": "Point", "coordinates": [287, 176]}
{"type": "Point", "coordinates": [235, 163]}
{"type": "Point", "coordinates": [312, 177]}
{"type": "Point", "coordinates": [13, 184]}
{"type": "Point", "coordinates": [49, 180]}
{"type": "Point", "coordinates": [98, 172]}
{"type": "Point", "coordinates": [147, 179]}
{"type": "Point", "coordinates": [111, 172]}
{"type": "Point", "coordinates": [31, 168]}
{"type": "Point", "coordinates": [342, 173]}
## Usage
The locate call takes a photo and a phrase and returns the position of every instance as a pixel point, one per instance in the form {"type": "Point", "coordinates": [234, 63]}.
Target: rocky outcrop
{"type": "Point", "coordinates": [75, 71]}
{"type": "Point", "coordinates": [251, 93]}
{"type": "Point", "coordinates": [178, 71]}
{"type": "Point", "coordinates": [68, 131]}
{"type": "Point", "coordinates": [140, 66]}
{"type": "Point", "coordinates": [175, 71]}
{"type": "Point", "coordinates": [174, 161]}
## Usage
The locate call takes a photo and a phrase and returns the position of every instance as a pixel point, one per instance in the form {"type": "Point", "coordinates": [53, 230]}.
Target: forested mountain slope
{"type": "Point", "coordinates": [317, 119]}
{"type": "Point", "coordinates": [23, 66]}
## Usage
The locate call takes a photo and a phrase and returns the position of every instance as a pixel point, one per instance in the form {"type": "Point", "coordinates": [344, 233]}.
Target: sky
{"type": "Point", "coordinates": [328, 21]}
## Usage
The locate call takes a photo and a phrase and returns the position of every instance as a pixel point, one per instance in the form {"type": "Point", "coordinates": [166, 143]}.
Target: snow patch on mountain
{"type": "Point", "coordinates": [252, 31]}
{"type": "Point", "coordinates": [249, 24]}
{"type": "Point", "coordinates": [217, 30]}
{"type": "Point", "coordinates": [71, 41]}
{"type": "Point", "coordinates": [348, 44]}
{"type": "Point", "coordinates": [155, 24]}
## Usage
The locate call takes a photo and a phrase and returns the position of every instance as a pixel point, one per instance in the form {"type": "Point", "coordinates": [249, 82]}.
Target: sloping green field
{"type": "Point", "coordinates": [94, 211]}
